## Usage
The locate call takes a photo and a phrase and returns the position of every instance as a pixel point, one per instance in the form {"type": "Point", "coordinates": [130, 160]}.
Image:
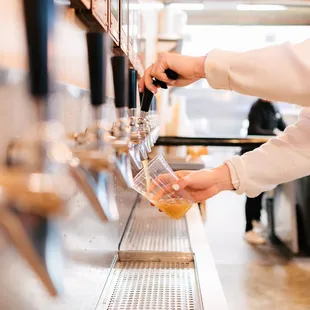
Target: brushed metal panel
{"type": "Point", "coordinates": [152, 286]}
{"type": "Point", "coordinates": [151, 230]}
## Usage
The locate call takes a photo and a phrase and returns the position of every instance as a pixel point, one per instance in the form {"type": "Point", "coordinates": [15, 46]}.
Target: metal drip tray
{"type": "Point", "coordinates": [151, 230]}
{"type": "Point", "coordinates": [151, 286]}
{"type": "Point", "coordinates": [156, 268]}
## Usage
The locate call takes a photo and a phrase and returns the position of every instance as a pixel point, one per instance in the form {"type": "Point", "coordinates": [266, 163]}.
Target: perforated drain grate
{"type": "Point", "coordinates": [150, 230]}
{"type": "Point", "coordinates": [152, 286]}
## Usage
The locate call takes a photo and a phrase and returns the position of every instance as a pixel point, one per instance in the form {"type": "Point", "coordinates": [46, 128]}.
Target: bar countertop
{"type": "Point", "coordinates": [254, 141]}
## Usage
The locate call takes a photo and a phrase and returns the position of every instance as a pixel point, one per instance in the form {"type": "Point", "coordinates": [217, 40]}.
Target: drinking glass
{"type": "Point", "coordinates": [155, 184]}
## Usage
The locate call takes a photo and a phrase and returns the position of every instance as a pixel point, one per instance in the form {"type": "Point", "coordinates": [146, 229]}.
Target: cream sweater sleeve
{"type": "Point", "coordinates": [281, 159]}
{"type": "Point", "coordinates": [280, 73]}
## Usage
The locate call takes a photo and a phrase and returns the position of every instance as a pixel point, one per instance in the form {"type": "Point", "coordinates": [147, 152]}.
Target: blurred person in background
{"type": "Point", "coordinates": [278, 73]}
{"type": "Point", "coordinates": [264, 120]}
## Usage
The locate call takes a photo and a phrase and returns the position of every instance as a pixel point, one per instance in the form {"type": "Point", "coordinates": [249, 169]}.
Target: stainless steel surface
{"type": "Point", "coordinates": [144, 131]}
{"type": "Point", "coordinates": [135, 158]}
{"type": "Point", "coordinates": [123, 169]}
{"type": "Point", "coordinates": [152, 237]}
{"type": "Point", "coordinates": [98, 129]}
{"type": "Point", "coordinates": [106, 193]}
{"type": "Point", "coordinates": [84, 279]}
{"type": "Point", "coordinates": [89, 249]}
{"type": "Point", "coordinates": [35, 243]}
{"type": "Point", "coordinates": [97, 111]}
{"type": "Point", "coordinates": [81, 179]}
{"type": "Point", "coordinates": [95, 176]}
{"type": "Point", "coordinates": [42, 193]}
{"type": "Point", "coordinates": [94, 172]}
{"type": "Point", "coordinates": [122, 146]}
{"type": "Point", "coordinates": [147, 144]}
{"type": "Point", "coordinates": [285, 217]}
{"type": "Point", "coordinates": [143, 151]}
{"type": "Point", "coordinates": [132, 113]}
{"type": "Point", "coordinates": [150, 138]}
{"type": "Point", "coordinates": [41, 106]}
{"type": "Point", "coordinates": [143, 114]}
{"type": "Point", "coordinates": [134, 151]}
{"type": "Point", "coordinates": [35, 189]}
{"type": "Point", "coordinates": [155, 133]}
{"type": "Point", "coordinates": [38, 189]}
{"type": "Point", "coordinates": [152, 286]}
{"type": "Point", "coordinates": [122, 113]}
{"type": "Point", "coordinates": [84, 276]}
{"type": "Point", "coordinates": [151, 230]}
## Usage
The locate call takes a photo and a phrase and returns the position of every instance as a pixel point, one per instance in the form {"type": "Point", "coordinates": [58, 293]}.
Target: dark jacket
{"type": "Point", "coordinates": [263, 117]}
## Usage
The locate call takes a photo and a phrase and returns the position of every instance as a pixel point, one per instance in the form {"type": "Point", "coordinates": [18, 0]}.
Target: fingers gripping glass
{"type": "Point", "coordinates": [155, 184]}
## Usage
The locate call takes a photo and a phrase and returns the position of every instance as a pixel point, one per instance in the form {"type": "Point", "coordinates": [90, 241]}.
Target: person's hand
{"type": "Point", "coordinates": [163, 184]}
{"type": "Point", "coordinates": [200, 185]}
{"type": "Point", "coordinates": [204, 184]}
{"type": "Point", "coordinates": [190, 69]}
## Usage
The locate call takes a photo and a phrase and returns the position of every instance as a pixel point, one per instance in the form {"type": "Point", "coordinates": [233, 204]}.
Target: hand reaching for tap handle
{"type": "Point", "coordinates": [269, 73]}
{"type": "Point", "coordinates": [189, 70]}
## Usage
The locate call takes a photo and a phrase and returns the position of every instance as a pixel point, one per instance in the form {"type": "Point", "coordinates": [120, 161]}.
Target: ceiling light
{"type": "Point", "coordinates": [188, 6]}
{"type": "Point", "coordinates": [261, 7]}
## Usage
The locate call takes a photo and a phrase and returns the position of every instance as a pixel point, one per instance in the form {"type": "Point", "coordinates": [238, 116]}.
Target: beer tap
{"type": "Point", "coordinates": [143, 150]}
{"type": "Point", "coordinates": [35, 185]}
{"type": "Point", "coordinates": [143, 121]}
{"type": "Point", "coordinates": [153, 118]}
{"type": "Point", "coordinates": [134, 150]}
{"type": "Point", "coordinates": [121, 133]}
{"type": "Point", "coordinates": [95, 153]}
{"type": "Point", "coordinates": [143, 147]}
{"type": "Point", "coordinates": [20, 152]}
{"type": "Point", "coordinates": [146, 129]}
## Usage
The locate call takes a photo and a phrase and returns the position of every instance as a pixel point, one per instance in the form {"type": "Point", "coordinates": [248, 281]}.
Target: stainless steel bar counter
{"type": "Point", "coordinates": [144, 261]}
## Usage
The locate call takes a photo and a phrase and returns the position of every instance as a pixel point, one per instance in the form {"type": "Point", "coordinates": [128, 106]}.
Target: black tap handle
{"type": "Point", "coordinates": [97, 46]}
{"type": "Point", "coordinates": [132, 104]}
{"type": "Point", "coordinates": [141, 98]}
{"type": "Point", "coordinates": [120, 79]}
{"type": "Point", "coordinates": [39, 16]}
{"type": "Point", "coordinates": [147, 99]}
{"type": "Point", "coordinates": [172, 75]}
{"type": "Point", "coordinates": [148, 95]}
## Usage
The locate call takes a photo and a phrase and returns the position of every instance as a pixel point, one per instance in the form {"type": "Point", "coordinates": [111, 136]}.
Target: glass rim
{"type": "Point", "coordinates": [141, 172]}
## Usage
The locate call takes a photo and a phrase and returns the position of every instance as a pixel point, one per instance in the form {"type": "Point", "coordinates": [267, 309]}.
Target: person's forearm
{"type": "Point", "coordinates": [279, 73]}
{"type": "Point", "coordinates": [222, 178]}
{"type": "Point", "coordinates": [280, 160]}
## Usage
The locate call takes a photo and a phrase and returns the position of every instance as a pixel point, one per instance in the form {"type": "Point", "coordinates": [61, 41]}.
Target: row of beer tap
{"type": "Point", "coordinates": [44, 169]}
{"type": "Point", "coordinates": [105, 152]}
